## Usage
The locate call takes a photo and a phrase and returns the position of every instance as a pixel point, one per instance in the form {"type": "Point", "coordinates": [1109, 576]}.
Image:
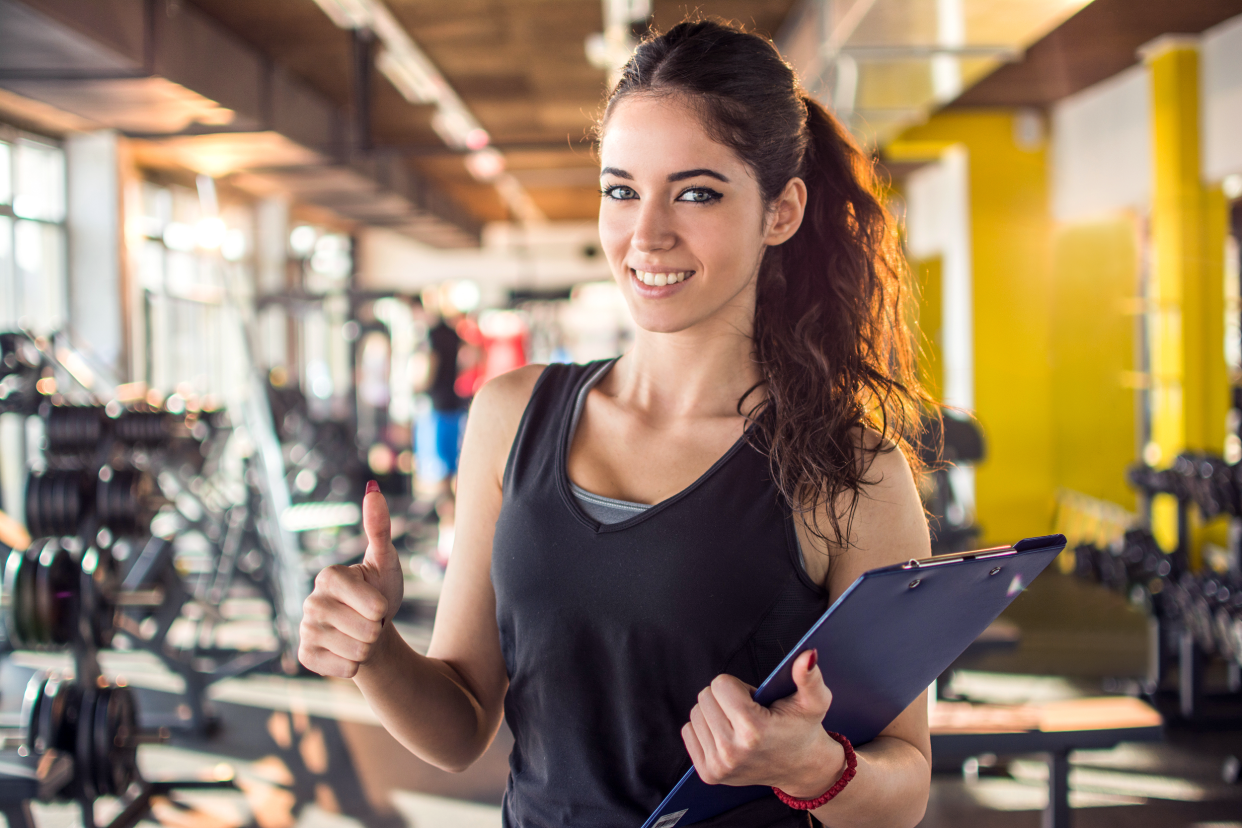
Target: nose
{"type": "Point", "coordinates": [653, 229]}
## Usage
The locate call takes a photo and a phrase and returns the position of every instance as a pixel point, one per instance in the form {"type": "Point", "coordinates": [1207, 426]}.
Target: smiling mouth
{"type": "Point", "coordinates": [661, 279]}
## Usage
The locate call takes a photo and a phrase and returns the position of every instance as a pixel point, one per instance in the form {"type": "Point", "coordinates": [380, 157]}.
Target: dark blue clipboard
{"type": "Point", "coordinates": [921, 615]}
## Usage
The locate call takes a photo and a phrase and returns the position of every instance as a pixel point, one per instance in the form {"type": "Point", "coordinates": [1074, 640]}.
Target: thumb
{"type": "Point", "coordinates": [813, 696]}
{"type": "Point", "coordinates": [378, 526]}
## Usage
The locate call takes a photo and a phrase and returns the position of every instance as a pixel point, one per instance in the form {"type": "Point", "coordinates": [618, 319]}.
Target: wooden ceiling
{"type": "Point", "coordinates": [520, 66]}
{"type": "Point", "coordinates": [1096, 43]}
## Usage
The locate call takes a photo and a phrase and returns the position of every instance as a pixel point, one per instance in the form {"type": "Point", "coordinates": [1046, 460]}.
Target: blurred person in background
{"type": "Point", "coordinates": [438, 432]}
{"type": "Point", "coordinates": [501, 337]}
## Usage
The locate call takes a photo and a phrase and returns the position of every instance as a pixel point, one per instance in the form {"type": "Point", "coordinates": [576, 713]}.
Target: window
{"type": "Point", "coordinates": [33, 283]}
{"type": "Point", "coordinates": [188, 258]}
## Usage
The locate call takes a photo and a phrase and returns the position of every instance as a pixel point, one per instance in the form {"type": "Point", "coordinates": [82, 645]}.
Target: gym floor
{"type": "Point", "coordinates": [308, 752]}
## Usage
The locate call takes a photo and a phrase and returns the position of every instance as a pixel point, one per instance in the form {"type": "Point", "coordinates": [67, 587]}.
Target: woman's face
{"type": "Point", "coordinates": [682, 219]}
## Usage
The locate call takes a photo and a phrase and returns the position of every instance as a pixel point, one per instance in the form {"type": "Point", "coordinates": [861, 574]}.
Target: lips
{"type": "Point", "coordinates": [661, 279]}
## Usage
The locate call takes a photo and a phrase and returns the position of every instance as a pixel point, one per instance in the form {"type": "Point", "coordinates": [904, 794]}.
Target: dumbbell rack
{"type": "Point", "coordinates": [106, 478]}
{"type": "Point", "coordinates": [78, 736]}
{"type": "Point", "coordinates": [1194, 616]}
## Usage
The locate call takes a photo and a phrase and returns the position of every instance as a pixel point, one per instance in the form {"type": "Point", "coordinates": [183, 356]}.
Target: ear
{"type": "Point", "coordinates": [787, 212]}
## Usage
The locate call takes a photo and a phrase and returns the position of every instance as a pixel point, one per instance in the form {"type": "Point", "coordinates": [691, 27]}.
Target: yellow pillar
{"type": "Point", "coordinates": [1010, 233]}
{"type": "Point", "coordinates": [1186, 293]}
{"type": "Point", "coordinates": [928, 321]}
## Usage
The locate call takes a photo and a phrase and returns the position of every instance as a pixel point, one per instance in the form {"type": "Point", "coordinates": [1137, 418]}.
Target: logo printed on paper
{"type": "Point", "coordinates": [669, 820]}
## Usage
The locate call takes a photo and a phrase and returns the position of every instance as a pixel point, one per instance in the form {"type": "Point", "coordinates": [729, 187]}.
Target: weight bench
{"type": "Point", "coordinates": [961, 729]}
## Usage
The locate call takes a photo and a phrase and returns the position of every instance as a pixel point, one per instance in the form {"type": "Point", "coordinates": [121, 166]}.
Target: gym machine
{"type": "Point", "coordinates": [1194, 616]}
{"type": "Point", "coordinates": [949, 440]}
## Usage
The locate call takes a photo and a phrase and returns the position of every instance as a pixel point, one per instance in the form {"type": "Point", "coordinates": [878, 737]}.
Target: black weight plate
{"type": "Point", "coordinates": [46, 504]}
{"type": "Point", "coordinates": [12, 628]}
{"type": "Point", "coordinates": [114, 498]}
{"type": "Point", "coordinates": [103, 491]}
{"type": "Point", "coordinates": [101, 742]}
{"type": "Point", "coordinates": [67, 523]}
{"type": "Point", "coordinates": [55, 504]}
{"type": "Point", "coordinates": [120, 754]}
{"type": "Point", "coordinates": [113, 730]}
{"type": "Point", "coordinates": [33, 518]}
{"type": "Point", "coordinates": [43, 505]}
{"type": "Point", "coordinates": [36, 509]}
{"type": "Point", "coordinates": [107, 497]}
{"type": "Point", "coordinates": [27, 614]}
{"type": "Point", "coordinates": [73, 505]}
{"type": "Point", "coordinates": [52, 715]}
{"type": "Point", "coordinates": [31, 701]}
{"type": "Point", "coordinates": [50, 499]}
{"type": "Point", "coordinates": [44, 594]}
{"type": "Point", "coordinates": [65, 584]}
{"type": "Point", "coordinates": [84, 746]}
{"type": "Point", "coordinates": [98, 585]}
{"type": "Point", "coordinates": [66, 738]}
{"type": "Point", "coordinates": [64, 519]}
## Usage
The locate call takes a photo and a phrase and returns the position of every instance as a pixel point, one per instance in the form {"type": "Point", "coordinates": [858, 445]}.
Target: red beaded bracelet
{"type": "Point", "coordinates": [851, 766]}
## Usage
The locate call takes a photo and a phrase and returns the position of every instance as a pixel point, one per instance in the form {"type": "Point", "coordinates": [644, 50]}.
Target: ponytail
{"type": "Point", "coordinates": [831, 336]}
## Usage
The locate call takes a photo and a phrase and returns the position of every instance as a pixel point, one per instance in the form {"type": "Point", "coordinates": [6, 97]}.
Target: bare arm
{"type": "Point", "coordinates": [445, 707]}
{"type": "Point", "coordinates": [894, 771]}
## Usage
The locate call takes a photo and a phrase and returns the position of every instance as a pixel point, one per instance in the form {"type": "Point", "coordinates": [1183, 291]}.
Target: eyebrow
{"type": "Point", "coordinates": [677, 176]}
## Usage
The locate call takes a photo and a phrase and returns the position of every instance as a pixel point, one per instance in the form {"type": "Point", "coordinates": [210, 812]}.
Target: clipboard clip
{"type": "Point", "coordinates": [912, 564]}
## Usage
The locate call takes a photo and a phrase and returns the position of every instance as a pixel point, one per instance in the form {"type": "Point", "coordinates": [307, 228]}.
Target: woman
{"type": "Point", "coordinates": [641, 540]}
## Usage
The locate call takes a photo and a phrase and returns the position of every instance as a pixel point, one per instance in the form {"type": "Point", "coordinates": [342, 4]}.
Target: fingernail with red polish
{"type": "Point", "coordinates": [372, 487]}
{"type": "Point", "coordinates": [810, 664]}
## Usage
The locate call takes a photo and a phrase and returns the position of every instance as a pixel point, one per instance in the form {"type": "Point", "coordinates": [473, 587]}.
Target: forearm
{"type": "Point", "coordinates": [889, 789]}
{"type": "Point", "coordinates": [425, 705]}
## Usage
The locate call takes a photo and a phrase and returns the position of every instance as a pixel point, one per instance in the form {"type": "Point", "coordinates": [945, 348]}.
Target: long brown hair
{"type": "Point", "coordinates": [830, 333]}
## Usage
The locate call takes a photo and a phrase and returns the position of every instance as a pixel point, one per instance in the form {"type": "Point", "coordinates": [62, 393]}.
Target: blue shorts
{"type": "Point", "coordinates": [437, 443]}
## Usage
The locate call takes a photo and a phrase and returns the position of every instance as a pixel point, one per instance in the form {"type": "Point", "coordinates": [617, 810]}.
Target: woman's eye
{"type": "Point", "coordinates": [699, 195]}
{"type": "Point", "coordinates": [618, 193]}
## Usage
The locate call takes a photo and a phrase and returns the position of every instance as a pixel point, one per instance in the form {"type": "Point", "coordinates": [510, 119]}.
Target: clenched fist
{"type": "Point", "coordinates": [350, 606]}
{"type": "Point", "coordinates": [734, 741]}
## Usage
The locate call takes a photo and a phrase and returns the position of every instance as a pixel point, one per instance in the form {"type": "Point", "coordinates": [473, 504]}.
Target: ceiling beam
{"type": "Point", "coordinates": [172, 72]}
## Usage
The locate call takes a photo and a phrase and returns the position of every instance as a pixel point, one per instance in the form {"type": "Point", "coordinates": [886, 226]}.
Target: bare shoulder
{"type": "Point", "coordinates": [886, 523]}
{"type": "Point", "coordinates": [496, 413]}
{"type": "Point", "coordinates": [507, 395]}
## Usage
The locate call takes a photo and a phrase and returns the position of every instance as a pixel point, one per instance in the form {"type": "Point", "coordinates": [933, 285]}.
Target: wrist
{"type": "Point", "coordinates": [383, 647]}
{"type": "Point", "coordinates": [822, 769]}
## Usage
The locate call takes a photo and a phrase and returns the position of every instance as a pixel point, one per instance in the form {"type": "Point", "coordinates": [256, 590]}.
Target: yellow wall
{"type": "Point", "coordinates": [1057, 308]}
{"type": "Point", "coordinates": [1010, 252]}
{"type": "Point", "coordinates": [1095, 272]}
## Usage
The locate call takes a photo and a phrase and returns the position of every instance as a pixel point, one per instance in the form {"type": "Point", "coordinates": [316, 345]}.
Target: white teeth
{"type": "Point", "coordinates": [662, 279]}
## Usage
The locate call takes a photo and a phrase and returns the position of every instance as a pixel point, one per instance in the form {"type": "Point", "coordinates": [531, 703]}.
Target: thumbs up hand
{"type": "Point", "coordinates": [351, 605]}
{"type": "Point", "coordinates": [380, 567]}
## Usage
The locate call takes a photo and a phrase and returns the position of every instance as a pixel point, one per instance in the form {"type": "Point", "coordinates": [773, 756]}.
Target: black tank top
{"type": "Point", "coordinates": [609, 632]}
